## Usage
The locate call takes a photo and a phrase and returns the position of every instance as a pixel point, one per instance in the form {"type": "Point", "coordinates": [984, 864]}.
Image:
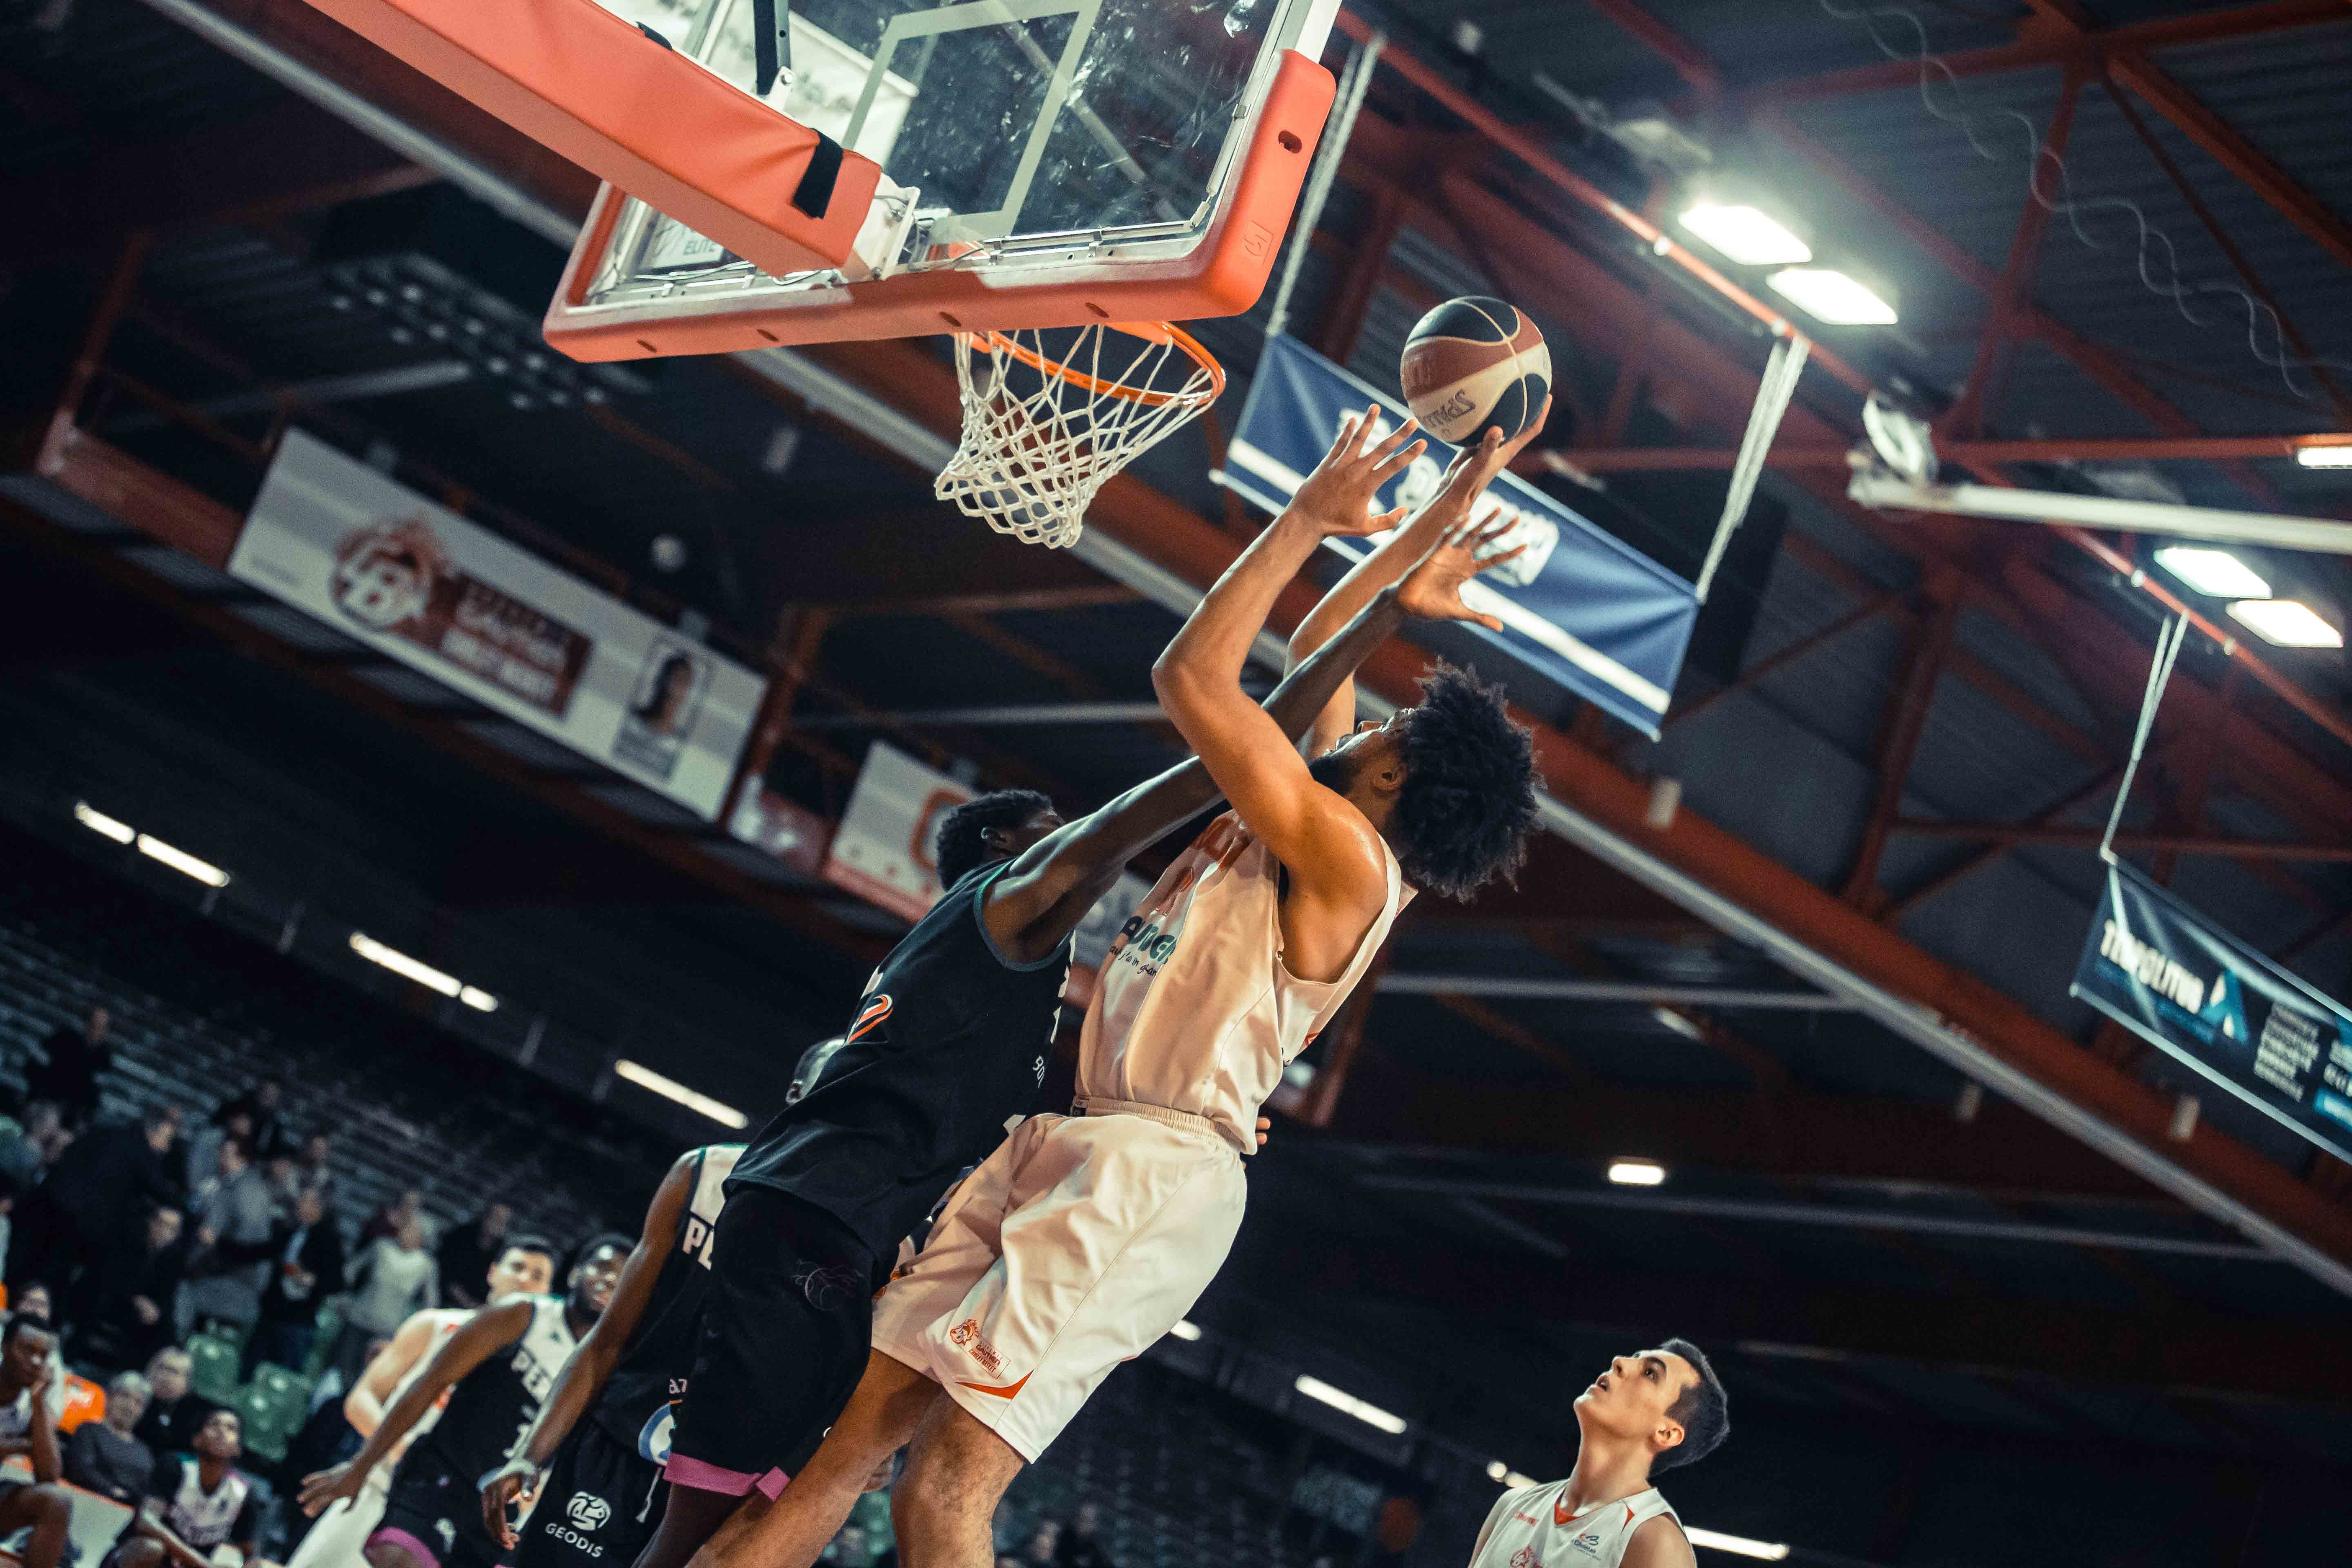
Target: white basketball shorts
{"type": "Point", "coordinates": [1072, 1249]}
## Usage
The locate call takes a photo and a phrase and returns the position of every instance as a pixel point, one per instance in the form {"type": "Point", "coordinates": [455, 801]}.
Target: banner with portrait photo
{"type": "Point", "coordinates": [368, 557]}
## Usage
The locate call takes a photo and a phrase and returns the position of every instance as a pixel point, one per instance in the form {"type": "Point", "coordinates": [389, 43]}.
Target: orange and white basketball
{"type": "Point", "coordinates": [1473, 363]}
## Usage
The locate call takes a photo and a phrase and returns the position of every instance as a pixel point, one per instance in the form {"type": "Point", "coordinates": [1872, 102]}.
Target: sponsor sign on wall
{"type": "Point", "coordinates": [377, 561]}
{"type": "Point", "coordinates": [882, 851]}
{"type": "Point", "coordinates": [1581, 606]}
{"type": "Point", "coordinates": [2156, 966]}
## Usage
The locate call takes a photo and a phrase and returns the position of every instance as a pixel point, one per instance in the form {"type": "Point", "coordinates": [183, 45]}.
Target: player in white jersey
{"type": "Point", "coordinates": [1649, 1412]}
{"type": "Point", "coordinates": [1085, 1237]}
{"type": "Point", "coordinates": [338, 1538]}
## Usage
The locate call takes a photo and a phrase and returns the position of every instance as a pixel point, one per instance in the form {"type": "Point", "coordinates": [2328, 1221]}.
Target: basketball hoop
{"type": "Point", "coordinates": [1032, 458]}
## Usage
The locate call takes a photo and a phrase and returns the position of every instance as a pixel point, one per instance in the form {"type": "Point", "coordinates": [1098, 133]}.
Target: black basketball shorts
{"type": "Point", "coordinates": [786, 1325]}
{"type": "Point", "coordinates": [436, 1517]}
{"type": "Point", "coordinates": [600, 1504]}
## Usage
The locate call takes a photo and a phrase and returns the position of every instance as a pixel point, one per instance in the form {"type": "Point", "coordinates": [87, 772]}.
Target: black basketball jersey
{"type": "Point", "coordinates": [634, 1407]}
{"type": "Point", "coordinates": [494, 1405]}
{"type": "Point", "coordinates": [946, 1046]}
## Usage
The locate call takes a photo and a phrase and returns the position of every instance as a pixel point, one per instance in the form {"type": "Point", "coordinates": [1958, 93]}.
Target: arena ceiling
{"type": "Point", "coordinates": [1898, 747]}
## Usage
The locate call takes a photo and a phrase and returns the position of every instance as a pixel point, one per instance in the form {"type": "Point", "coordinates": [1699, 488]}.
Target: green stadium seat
{"type": "Point", "coordinates": [286, 1384]}
{"type": "Point", "coordinates": [272, 1414]}
{"type": "Point", "coordinates": [323, 1344]}
{"type": "Point", "coordinates": [214, 1376]}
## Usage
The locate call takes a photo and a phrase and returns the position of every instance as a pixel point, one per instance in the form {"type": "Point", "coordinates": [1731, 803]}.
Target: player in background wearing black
{"type": "Point", "coordinates": [600, 1480]}
{"type": "Point", "coordinates": [946, 1049]}
{"type": "Point", "coordinates": [196, 1504]}
{"type": "Point", "coordinates": [27, 1349]}
{"type": "Point", "coordinates": [433, 1517]}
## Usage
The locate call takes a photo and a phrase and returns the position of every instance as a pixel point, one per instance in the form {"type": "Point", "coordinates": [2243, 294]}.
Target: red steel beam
{"type": "Point", "coordinates": [1689, 61]}
{"type": "Point", "coordinates": [1895, 909]}
{"type": "Point", "coordinates": [1904, 721]}
{"type": "Point", "coordinates": [2048, 50]}
{"type": "Point", "coordinates": [2053, 449]}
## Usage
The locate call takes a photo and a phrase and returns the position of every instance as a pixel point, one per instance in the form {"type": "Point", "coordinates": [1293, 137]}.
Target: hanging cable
{"type": "Point", "coordinates": [2168, 639]}
{"type": "Point", "coordinates": [1778, 385]}
{"type": "Point", "coordinates": [1355, 81]}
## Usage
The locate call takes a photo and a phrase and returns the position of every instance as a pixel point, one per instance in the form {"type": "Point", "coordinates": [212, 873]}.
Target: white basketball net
{"type": "Point", "coordinates": [1031, 461]}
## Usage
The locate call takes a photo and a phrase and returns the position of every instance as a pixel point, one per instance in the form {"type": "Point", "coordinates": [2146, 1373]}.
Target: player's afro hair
{"type": "Point", "coordinates": [1468, 801]}
{"type": "Point", "coordinates": [962, 838]}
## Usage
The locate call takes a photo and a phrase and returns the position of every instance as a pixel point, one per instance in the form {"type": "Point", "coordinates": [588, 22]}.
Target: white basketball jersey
{"type": "Point", "coordinates": [1194, 1010]}
{"type": "Point", "coordinates": [202, 1519]}
{"type": "Point", "coordinates": [446, 1321]}
{"type": "Point", "coordinates": [1528, 1530]}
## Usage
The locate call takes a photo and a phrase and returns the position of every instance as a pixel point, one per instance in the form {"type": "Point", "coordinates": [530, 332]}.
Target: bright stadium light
{"type": "Point", "coordinates": [2323, 457]}
{"type": "Point", "coordinates": [1745, 235]}
{"type": "Point", "coordinates": [1514, 1480]}
{"type": "Point", "coordinates": [98, 822]}
{"type": "Point", "coordinates": [1364, 1410]}
{"type": "Point", "coordinates": [670, 1088]}
{"type": "Point", "coordinates": [480, 1000]}
{"type": "Point", "coordinates": [1497, 1470]}
{"type": "Point", "coordinates": [1636, 1172]}
{"type": "Point", "coordinates": [2214, 572]}
{"type": "Point", "coordinates": [400, 963]}
{"type": "Point", "coordinates": [1186, 1329]}
{"type": "Point", "coordinates": [1771, 1550]}
{"type": "Point", "coordinates": [1828, 295]}
{"type": "Point", "coordinates": [2287, 622]}
{"type": "Point", "coordinates": [179, 860]}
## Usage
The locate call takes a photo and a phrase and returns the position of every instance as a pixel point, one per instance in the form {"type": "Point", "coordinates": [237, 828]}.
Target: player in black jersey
{"type": "Point", "coordinates": [602, 1496]}
{"type": "Point", "coordinates": [432, 1518]}
{"type": "Point", "coordinates": [946, 1049]}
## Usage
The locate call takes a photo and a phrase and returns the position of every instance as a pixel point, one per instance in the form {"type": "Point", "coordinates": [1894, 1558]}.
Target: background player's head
{"type": "Point", "coordinates": [595, 1271]}
{"type": "Point", "coordinates": [1450, 783]}
{"type": "Point", "coordinates": [222, 1437]}
{"type": "Point", "coordinates": [25, 1347]}
{"type": "Point", "coordinates": [1668, 1398]}
{"type": "Point", "coordinates": [526, 1264]}
{"type": "Point", "coordinates": [993, 826]}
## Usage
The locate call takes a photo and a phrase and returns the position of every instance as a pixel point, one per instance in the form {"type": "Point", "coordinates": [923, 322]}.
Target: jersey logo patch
{"type": "Point", "coordinates": [448, 1534]}
{"type": "Point", "coordinates": [1525, 1557]}
{"type": "Point", "coordinates": [586, 1510]}
{"type": "Point", "coordinates": [965, 1336]}
{"type": "Point", "coordinates": [875, 1009]}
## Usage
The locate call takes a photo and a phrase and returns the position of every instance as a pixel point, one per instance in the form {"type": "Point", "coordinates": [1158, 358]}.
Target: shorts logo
{"type": "Point", "coordinates": [653, 1440]}
{"type": "Point", "coordinates": [448, 1534]}
{"type": "Point", "coordinates": [965, 1336]}
{"type": "Point", "coordinates": [587, 1510]}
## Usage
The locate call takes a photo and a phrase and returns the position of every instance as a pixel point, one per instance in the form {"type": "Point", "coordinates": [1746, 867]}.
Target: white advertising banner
{"type": "Point", "coordinates": [377, 561]}
{"type": "Point", "coordinates": [882, 851]}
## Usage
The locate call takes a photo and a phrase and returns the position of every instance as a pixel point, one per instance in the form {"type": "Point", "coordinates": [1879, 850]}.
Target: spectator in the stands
{"type": "Point", "coordinates": [264, 1124]}
{"type": "Point", "coordinates": [311, 1170]}
{"type": "Point", "coordinates": [27, 1365]}
{"type": "Point", "coordinates": [306, 1264]}
{"type": "Point", "coordinates": [467, 1252]}
{"type": "Point", "coordinates": [96, 1190]}
{"type": "Point", "coordinates": [1044, 1542]}
{"type": "Point", "coordinates": [394, 1277]}
{"type": "Point", "coordinates": [387, 1220]}
{"type": "Point", "coordinates": [28, 1149]}
{"type": "Point", "coordinates": [234, 1213]}
{"type": "Point", "coordinates": [69, 1076]}
{"type": "Point", "coordinates": [131, 1293]}
{"type": "Point", "coordinates": [1081, 1546]}
{"type": "Point", "coordinates": [105, 1456]}
{"type": "Point", "coordinates": [204, 1149]}
{"type": "Point", "coordinates": [176, 1411]}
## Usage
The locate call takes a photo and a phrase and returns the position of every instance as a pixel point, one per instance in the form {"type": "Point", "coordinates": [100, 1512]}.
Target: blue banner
{"type": "Point", "coordinates": [1581, 606]}
{"type": "Point", "coordinates": [2154, 965]}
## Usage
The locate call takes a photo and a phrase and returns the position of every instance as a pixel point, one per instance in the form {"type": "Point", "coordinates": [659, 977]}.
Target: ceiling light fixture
{"type": "Point", "coordinates": [2323, 457]}
{"type": "Point", "coordinates": [644, 1077]}
{"type": "Point", "coordinates": [2214, 572]}
{"type": "Point", "coordinates": [1186, 1329]}
{"type": "Point", "coordinates": [1745, 235]}
{"type": "Point", "coordinates": [1364, 1410]}
{"type": "Point", "coordinates": [1771, 1550]}
{"type": "Point", "coordinates": [2287, 622]}
{"type": "Point", "coordinates": [98, 822]}
{"type": "Point", "coordinates": [1829, 296]}
{"type": "Point", "coordinates": [1636, 1172]}
{"type": "Point", "coordinates": [179, 860]}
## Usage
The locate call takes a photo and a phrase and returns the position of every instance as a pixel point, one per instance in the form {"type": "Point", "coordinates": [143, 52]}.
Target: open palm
{"type": "Point", "coordinates": [1338, 496]}
{"type": "Point", "coordinates": [1431, 591]}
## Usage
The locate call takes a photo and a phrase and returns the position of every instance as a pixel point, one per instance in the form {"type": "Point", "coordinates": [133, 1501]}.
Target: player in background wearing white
{"type": "Point", "coordinates": [1649, 1412]}
{"type": "Point", "coordinates": [338, 1538]}
{"type": "Point", "coordinates": [1083, 1238]}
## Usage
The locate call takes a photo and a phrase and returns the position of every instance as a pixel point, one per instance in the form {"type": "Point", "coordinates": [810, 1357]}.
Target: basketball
{"type": "Point", "coordinates": [1474, 362]}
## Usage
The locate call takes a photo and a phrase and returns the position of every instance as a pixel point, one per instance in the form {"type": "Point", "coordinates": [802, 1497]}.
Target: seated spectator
{"type": "Point", "coordinates": [97, 1188]}
{"type": "Point", "coordinates": [394, 1278]}
{"type": "Point", "coordinates": [204, 1151]}
{"type": "Point", "coordinates": [307, 1251]}
{"type": "Point", "coordinates": [234, 1217]}
{"type": "Point", "coordinates": [34, 1303]}
{"type": "Point", "coordinates": [130, 1293]}
{"type": "Point", "coordinates": [27, 1353]}
{"type": "Point", "coordinates": [69, 1076]}
{"type": "Point", "coordinates": [1044, 1542]}
{"type": "Point", "coordinates": [258, 1109]}
{"type": "Point", "coordinates": [1081, 1546]}
{"type": "Point", "coordinates": [467, 1253]}
{"type": "Point", "coordinates": [311, 1170]}
{"type": "Point", "coordinates": [387, 1220]}
{"type": "Point", "coordinates": [103, 1456]}
{"type": "Point", "coordinates": [176, 1411]}
{"type": "Point", "coordinates": [27, 1152]}
{"type": "Point", "coordinates": [196, 1504]}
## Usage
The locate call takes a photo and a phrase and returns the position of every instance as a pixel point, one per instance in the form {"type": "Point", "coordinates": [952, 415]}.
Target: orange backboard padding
{"type": "Point", "coordinates": [1223, 276]}
{"type": "Point", "coordinates": [580, 81]}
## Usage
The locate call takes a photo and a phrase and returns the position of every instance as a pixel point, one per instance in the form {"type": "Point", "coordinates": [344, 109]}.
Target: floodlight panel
{"type": "Point", "coordinates": [2214, 572]}
{"type": "Point", "coordinates": [1747, 235]}
{"type": "Point", "coordinates": [2287, 622]}
{"type": "Point", "coordinates": [1828, 295]}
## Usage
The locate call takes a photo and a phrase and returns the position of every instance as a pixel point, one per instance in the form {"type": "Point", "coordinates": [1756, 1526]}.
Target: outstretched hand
{"type": "Point", "coordinates": [1475, 468]}
{"type": "Point", "coordinates": [1431, 591]}
{"type": "Point", "coordinates": [511, 1483]}
{"type": "Point", "coordinates": [1338, 496]}
{"type": "Point", "coordinates": [322, 1486]}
